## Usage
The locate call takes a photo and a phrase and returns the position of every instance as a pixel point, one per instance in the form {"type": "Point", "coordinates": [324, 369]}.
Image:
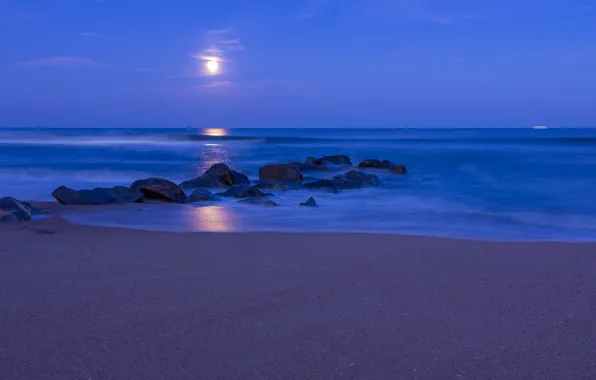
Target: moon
{"type": "Point", "coordinates": [212, 67]}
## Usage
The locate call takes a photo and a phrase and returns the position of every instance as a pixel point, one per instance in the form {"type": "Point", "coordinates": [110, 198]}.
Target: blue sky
{"type": "Point", "coordinates": [311, 63]}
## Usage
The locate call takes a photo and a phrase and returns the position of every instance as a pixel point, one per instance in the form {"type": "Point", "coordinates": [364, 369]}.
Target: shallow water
{"type": "Point", "coordinates": [502, 184]}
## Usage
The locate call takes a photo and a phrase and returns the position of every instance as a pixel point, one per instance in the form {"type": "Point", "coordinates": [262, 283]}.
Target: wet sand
{"type": "Point", "coordinates": [87, 303]}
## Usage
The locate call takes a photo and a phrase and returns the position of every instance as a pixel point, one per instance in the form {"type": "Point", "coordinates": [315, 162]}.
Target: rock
{"type": "Point", "coordinates": [201, 195]}
{"type": "Point", "coordinates": [261, 201]}
{"type": "Point", "coordinates": [279, 173]}
{"type": "Point", "coordinates": [385, 164]}
{"type": "Point", "coordinates": [309, 203]}
{"type": "Point", "coordinates": [159, 189]}
{"type": "Point", "coordinates": [34, 209]}
{"type": "Point", "coordinates": [355, 179]}
{"type": "Point", "coordinates": [11, 210]}
{"type": "Point", "coordinates": [228, 177]}
{"type": "Point", "coordinates": [399, 169]}
{"type": "Point", "coordinates": [322, 184]}
{"type": "Point", "coordinates": [336, 160]}
{"type": "Point", "coordinates": [209, 180]}
{"type": "Point", "coordinates": [324, 163]}
{"type": "Point", "coordinates": [243, 191]}
{"type": "Point", "coordinates": [97, 196]}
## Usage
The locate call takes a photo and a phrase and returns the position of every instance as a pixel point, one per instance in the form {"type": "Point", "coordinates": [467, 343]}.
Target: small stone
{"type": "Point", "coordinates": [310, 203]}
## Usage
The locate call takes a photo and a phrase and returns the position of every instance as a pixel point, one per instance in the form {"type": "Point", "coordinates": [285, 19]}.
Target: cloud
{"type": "Point", "coordinates": [144, 70]}
{"type": "Point", "coordinates": [219, 84]}
{"type": "Point", "coordinates": [233, 45]}
{"type": "Point", "coordinates": [90, 34]}
{"type": "Point", "coordinates": [217, 31]}
{"type": "Point", "coordinates": [63, 62]}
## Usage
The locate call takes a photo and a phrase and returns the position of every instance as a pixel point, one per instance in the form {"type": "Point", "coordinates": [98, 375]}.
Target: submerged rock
{"type": "Point", "coordinates": [260, 201]}
{"type": "Point", "coordinates": [336, 160]}
{"type": "Point", "coordinates": [11, 210]}
{"type": "Point", "coordinates": [323, 185]}
{"type": "Point", "coordinates": [243, 191]}
{"type": "Point", "coordinates": [355, 179]}
{"type": "Point", "coordinates": [97, 196]}
{"type": "Point", "coordinates": [209, 180]}
{"type": "Point", "coordinates": [322, 164]}
{"type": "Point", "coordinates": [385, 165]}
{"type": "Point", "coordinates": [309, 203]}
{"type": "Point", "coordinates": [201, 195]}
{"type": "Point", "coordinates": [283, 173]}
{"type": "Point", "coordinates": [159, 189]}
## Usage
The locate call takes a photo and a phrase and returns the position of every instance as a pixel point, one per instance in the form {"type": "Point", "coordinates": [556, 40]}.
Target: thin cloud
{"type": "Point", "coordinates": [219, 84]}
{"type": "Point", "coordinates": [233, 45]}
{"type": "Point", "coordinates": [64, 62]}
{"type": "Point", "coordinates": [90, 34]}
{"type": "Point", "coordinates": [216, 32]}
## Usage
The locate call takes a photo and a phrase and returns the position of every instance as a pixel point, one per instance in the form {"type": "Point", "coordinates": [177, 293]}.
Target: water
{"type": "Point", "coordinates": [499, 184]}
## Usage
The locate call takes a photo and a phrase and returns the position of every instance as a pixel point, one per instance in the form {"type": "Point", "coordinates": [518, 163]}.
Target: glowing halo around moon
{"type": "Point", "coordinates": [212, 67]}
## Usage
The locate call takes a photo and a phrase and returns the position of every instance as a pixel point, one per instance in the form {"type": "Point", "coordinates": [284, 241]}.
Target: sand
{"type": "Point", "coordinates": [98, 303]}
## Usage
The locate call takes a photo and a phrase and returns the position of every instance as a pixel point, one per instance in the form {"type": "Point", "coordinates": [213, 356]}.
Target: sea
{"type": "Point", "coordinates": [488, 184]}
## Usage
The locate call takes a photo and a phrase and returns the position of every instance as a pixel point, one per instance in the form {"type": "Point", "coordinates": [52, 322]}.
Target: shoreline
{"type": "Point", "coordinates": [99, 302]}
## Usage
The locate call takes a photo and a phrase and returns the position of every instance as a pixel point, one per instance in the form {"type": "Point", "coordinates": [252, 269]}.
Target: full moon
{"type": "Point", "coordinates": [212, 67]}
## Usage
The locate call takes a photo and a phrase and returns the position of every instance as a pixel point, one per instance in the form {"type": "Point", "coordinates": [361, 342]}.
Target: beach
{"type": "Point", "coordinates": [83, 302]}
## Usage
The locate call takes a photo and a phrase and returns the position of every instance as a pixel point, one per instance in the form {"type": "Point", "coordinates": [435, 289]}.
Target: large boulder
{"type": "Point", "coordinates": [284, 173]}
{"type": "Point", "coordinates": [323, 185]}
{"type": "Point", "coordinates": [243, 191]}
{"type": "Point", "coordinates": [227, 176]}
{"type": "Point", "coordinates": [217, 176]}
{"type": "Point", "coordinates": [384, 165]}
{"type": "Point", "coordinates": [355, 179]}
{"type": "Point", "coordinates": [260, 201]}
{"type": "Point", "coordinates": [207, 180]}
{"type": "Point", "coordinates": [309, 203]}
{"type": "Point", "coordinates": [11, 210]}
{"type": "Point", "coordinates": [159, 189]}
{"type": "Point", "coordinates": [97, 196]}
{"type": "Point", "coordinates": [201, 195]}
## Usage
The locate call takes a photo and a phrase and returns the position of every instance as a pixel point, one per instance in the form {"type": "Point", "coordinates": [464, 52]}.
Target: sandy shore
{"type": "Point", "coordinates": [97, 303]}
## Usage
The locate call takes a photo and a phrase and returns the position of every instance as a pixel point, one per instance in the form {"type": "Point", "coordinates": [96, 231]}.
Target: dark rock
{"type": "Point", "coordinates": [336, 160]}
{"type": "Point", "coordinates": [243, 191]}
{"type": "Point", "coordinates": [201, 195]}
{"type": "Point", "coordinates": [399, 169]}
{"type": "Point", "coordinates": [322, 184]}
{"type": "Point", "coordinates": [310, 203]}
{"type": "Point", "coordinates": [159, 189]}
{"type": "Point", "coordinates": [385, 165]}
{"type": "Point", "coordinates": [11, 210]}
{"type": "Point", "coordinates": [97, 196]}
{"type": "Point", "coordinates": [279, 173]}
{"type": "Point", "coordinates": [34, 209]}
{"type": "Point", "coordinates": [210, 180]}
{"type": "Point", "coordinates": [261, 201]}
{"type": "Point", "coordinates": [228, 177]}
{"type": "Point", "coordinates": [355, 179]}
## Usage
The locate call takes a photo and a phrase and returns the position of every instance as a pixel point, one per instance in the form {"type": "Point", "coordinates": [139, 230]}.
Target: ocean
{"type": "Point", "coordinates": [494, 184]}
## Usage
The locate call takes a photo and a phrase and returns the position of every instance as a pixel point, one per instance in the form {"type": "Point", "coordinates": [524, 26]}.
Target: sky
{"type": "Point", "coordinates": [298, 63]}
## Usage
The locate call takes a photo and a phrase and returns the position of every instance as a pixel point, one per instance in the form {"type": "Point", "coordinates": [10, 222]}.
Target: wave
{"type": "Point", "coordinates": [165, 139]}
